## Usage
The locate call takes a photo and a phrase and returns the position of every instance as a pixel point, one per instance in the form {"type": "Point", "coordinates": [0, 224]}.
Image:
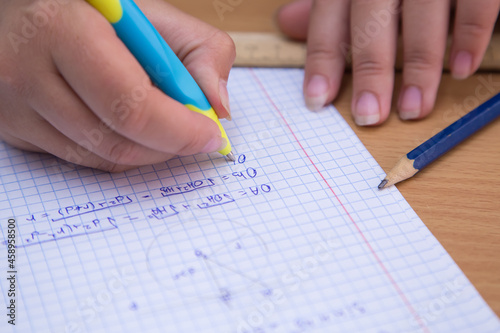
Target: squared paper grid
{"type": "Point", "coordinates": [307, 244]}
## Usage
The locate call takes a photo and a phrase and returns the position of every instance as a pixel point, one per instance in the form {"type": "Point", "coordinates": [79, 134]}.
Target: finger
{"type": "Point", "coordinates": [19, 143]}
{"type": "Point", "coordinates": [208, 53]}
{"type": "Point", "coordinates": [40, 136]}
{"type": "Point", "coordinates": [474, 25]}
{"type": "Point", "coordinates": [14, 112]}
{"type": "Point", "coordinates": [425, 29]}
{"type": "Point", "coordinates": [106, 77]}
{"type": "Point", "coordinates": [374, 27]}
{"type": "Point", "coordinates": [293, 19]}
{"type": "Point", "coordinates": [57, 103]}
{"type": "Point", "coordinates": [326, 42]}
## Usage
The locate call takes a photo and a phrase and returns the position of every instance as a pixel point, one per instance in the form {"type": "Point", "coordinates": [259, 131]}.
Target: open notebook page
{"type": "Point", "coordinates": [292, 237]}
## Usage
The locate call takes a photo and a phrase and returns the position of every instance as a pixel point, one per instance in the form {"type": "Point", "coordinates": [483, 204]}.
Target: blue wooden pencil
{"type": "Point", "coordinates": [440, 143]}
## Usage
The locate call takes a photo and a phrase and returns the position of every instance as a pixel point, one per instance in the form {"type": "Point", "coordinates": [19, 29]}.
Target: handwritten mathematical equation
{"type": "Point", "coordinates": [59, 223]}
{"type": "Point", "coordinates": [89, 207]}
{"type": "Point", "coordinates": [167, 191]}
{"type": "Point", "coordinates": [67, 212]}
{"type": "Point", "coordinates": [69, 230]}
{"type": "Point", "coordinates": [220, 199]}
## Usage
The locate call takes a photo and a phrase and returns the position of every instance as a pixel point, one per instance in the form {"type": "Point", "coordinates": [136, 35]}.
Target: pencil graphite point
{"type": "Point", "coordinates": [231, 157]}
{"type": "Point", "coordinates": [382, 184]}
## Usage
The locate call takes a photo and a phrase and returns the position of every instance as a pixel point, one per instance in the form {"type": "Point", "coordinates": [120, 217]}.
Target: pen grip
{"type": "Point", "coordinates": [156, 57]}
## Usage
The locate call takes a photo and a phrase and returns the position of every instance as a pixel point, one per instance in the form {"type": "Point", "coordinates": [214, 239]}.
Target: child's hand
{"type": "Point", "coordinates": [371, 28]}
{"type": "Point", "coordinates": [69, 87]}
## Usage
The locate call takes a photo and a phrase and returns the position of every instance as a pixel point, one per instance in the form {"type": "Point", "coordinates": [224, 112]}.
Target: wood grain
{"type": "Point", "coordinates": [457, 197]}
{"type": "Point", "coordinates": [244, 15]}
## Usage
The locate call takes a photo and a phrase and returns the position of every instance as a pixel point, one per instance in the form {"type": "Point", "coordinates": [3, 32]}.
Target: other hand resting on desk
{"type": "Point", "coordinates": [370, 29]}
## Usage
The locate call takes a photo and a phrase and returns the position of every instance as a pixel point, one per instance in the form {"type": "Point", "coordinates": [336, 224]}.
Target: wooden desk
{"type": "Point", "coordinates": [457, 197]}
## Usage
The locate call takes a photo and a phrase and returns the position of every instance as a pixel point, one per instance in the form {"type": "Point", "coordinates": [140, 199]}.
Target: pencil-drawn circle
{"type": "Point", "coordinates": [208, 258]}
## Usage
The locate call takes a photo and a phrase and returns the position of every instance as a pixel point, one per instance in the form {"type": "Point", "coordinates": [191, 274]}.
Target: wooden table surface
{"type": "Point", "coordinates": [457, 197]}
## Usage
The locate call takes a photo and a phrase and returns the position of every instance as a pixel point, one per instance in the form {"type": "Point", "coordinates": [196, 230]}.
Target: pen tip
{"type": "Point", "coordinates": [382, 184]}
{"type": "Point", "coordinates": [231, 157]}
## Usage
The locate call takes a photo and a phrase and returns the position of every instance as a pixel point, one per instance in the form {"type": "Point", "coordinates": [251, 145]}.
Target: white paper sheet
{"type": "Point", "coordinates": [292, 237]}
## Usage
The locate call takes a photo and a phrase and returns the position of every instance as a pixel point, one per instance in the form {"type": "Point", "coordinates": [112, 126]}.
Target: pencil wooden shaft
{"type": "Point", "coordinates": [442, 142]}
{"type": "Point", "coordinates": [452, 135]}
{"type": "Point", "coordinates": [402, 170]}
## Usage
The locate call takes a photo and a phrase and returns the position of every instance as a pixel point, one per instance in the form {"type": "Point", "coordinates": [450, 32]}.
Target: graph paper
{"type": "Point", "coordinates": [293, 236]}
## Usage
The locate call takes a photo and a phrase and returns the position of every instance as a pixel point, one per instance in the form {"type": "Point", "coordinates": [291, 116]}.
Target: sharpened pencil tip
{"type": "Point", "coordinates": [382, 184]}
{"type": "Point", "coordinates": [231, 157]}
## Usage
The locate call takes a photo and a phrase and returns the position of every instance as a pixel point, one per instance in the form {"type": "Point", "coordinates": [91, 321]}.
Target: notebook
{"type": "Point", "coordinates": [293, 236]}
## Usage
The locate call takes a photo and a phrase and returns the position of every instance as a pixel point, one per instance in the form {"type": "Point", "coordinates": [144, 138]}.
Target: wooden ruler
{"type": "Point", "coordinates": [273, 50]}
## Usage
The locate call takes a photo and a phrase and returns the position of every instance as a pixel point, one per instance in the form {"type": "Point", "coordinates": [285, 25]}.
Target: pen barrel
{"type": "Point", "coordinates": [157, 58]}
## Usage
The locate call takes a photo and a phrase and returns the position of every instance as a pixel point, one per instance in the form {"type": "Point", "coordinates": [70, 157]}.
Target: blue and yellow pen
{"type": "Point", "coordinates": [155, 56]}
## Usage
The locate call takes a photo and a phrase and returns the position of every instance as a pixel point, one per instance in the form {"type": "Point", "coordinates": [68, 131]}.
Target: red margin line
{"type": "Point", "coordinates": [377, 258]}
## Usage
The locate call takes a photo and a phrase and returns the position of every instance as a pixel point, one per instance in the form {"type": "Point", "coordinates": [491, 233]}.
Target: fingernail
{"type": "Point", "coordinates": [316, 92]}
{"type": "Point", "coordinates": [214, 145]}
{"type": "Point", "coordinates": [462, 65]}
{"type": "Point", "coordinates": [410, 103]}
{"type": "Point", "coordinates": [224, 97]}
{"type": "Point", "coordinates": [367, 110]}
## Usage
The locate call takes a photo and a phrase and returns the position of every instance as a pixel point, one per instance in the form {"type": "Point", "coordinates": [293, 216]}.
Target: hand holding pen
{"type": "Point", "coordinates": [71, 88]}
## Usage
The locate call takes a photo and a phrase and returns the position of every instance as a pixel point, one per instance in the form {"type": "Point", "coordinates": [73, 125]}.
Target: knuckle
{"type": "Point", "coordinates": [20, 87]}
{"type": "Point", "coordinates": [13, 79]}
{"type": "Point", "coordinates": [370, 67]}
{"type": "Point", "coordinates": [222, 38]}
{"type": "Point", "coordinates": [8, 79]}
{"type": "Point", "coordinates": [222, 41]}
{"type": "Point", "coordinates": [422, 60]}
{"type": "Point", "coordinates": [321, 52]}
{"type": "Point", "coordinates": [16, 84]}
{"type": "Point", "coordinates": [474, 29]}
{"type": "Point", "coordinates": [121, 152]}
{"type": "Point", "coordinates": [193, 145]}
{"type": "Point", "coordinates": [377, 3]}
{"type": "Point", "coordinates": [128, 118]}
